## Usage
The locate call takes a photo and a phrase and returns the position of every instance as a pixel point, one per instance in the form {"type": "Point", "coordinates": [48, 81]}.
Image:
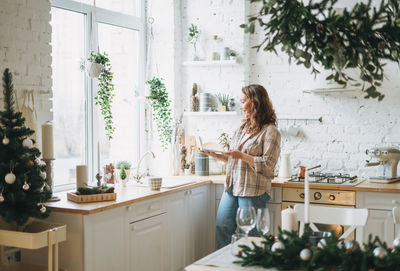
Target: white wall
{"type": "Point", "coordinates": [350, 124]}
{"type": "Point", "coordinates": [25, 35]}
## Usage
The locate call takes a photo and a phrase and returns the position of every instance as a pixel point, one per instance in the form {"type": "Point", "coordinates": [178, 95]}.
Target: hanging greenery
{"type": "Point", "coordinates": [288, 251]}
{"type": "Point", "coordinates": [315, 34]}
{"type": "Point", "coordinates": [105, 94]}
{"type": "Point", "coordinates": [162, 111]}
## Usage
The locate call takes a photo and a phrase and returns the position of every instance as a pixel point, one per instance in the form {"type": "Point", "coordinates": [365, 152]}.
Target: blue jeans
{"type": "Point", "coordinates": [226, 215]}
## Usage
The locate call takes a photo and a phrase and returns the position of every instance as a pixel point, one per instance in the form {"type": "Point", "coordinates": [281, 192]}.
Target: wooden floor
{"type": "Point", "coordinates": [24, 267]}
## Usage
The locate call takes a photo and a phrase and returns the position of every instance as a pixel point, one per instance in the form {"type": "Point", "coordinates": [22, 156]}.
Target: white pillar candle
{"type": "Point", "coordinates": [288, 217]}
{"type": "Point", "coordinates": [98, 157]}
{"type": "Point", "coordinates": [306, 198]}
{"type": "Point", "coordinates": [47, 141]}
{"type": "Point", "coordinates": [81, 176]}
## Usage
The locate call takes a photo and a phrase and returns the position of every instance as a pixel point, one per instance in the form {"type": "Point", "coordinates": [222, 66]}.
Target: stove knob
{"type": "Point", "coordinates": [302, 195]}
{"type": "Point", "coordinates": [332, 197]}
{"type": "Point", "coordinates": [317, 195]}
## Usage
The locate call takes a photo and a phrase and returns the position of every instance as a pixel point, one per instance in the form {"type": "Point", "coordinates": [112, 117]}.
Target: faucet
{"type": "Point", "coordinates": [139, 176]}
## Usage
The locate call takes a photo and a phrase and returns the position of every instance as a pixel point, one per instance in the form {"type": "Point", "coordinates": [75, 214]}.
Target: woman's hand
{"type": "Point", "coordinates": [235, 154]}
{"type": "Point", "coordinates": [222, 157]}
{"type": "Point", "coordinates": [249, 159]}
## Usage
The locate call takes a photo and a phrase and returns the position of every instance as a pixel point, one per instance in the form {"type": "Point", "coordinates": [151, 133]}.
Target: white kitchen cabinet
{"type": "Point", "coordinates": [380, 219]}
{"type": "Point", "coordinates": [105, 236]}
{"type": "Point", "coordinates": [380, 223]}
{"type": "Point", "coordinates": [148, 245]}
{"type": "Point", "coordinates": [275, 217]}
{"type": "Point", "coordinates": [190, 226]}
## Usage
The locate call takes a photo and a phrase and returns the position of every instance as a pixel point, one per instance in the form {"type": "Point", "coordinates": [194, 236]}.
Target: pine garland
{"type": "Point", "coordinates": [330, 254]}
{"type": "Point", "coordinates": [25, 196]}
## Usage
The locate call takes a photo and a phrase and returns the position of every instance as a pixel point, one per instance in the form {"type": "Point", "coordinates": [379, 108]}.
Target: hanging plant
{"type": "Point", "coordinates": [162, 111]}
{"type": "Point", "coordinates": [314, 34]}
{"type": "Point", "coordinates": [105, 93]}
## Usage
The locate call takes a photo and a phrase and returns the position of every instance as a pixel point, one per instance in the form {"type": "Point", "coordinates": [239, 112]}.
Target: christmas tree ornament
{"type": "Point", "coordinates": [10, 178]}
{"type": "Point", "coordinates": [322, 243]}
{"type": "Point", "coordinates": [5, 140]}
{"type": "Point", "coordinates": [305, 254]}
{"type": "Point", "coordinates": [352, 246]}
{"type": "Point", "coordinates": [27, 143]}
{"type": "Point", "coordinates": [380, 252]}
{"type": "Point", "coordinates": [43, 175]}
{"type": "Point", "coordinates": [25, 186]}
{"type": "Point", "coordinates": [43, 186]}
{"type": "Point", "coordinates": [340, 244]}
{"type": "Point", "coordinates": [396, 243]}
{"type": "Point", "coordinates": [1, 197]}
{"type": "Point", "coordinates": [277, 246]}
{"type": "Point", "coordinates": [31, 163]}
{"type": "Point", "coordinates": [42, 209]}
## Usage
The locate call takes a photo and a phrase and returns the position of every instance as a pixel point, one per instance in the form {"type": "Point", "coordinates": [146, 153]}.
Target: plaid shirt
{"type": "Point", "coordinates": [248, 181]}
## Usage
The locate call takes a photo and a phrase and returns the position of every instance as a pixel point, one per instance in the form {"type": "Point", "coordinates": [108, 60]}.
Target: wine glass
{"type": "Point", "coordinates": [246, 219]}
{"type": "Point", "coordinates": [263, 220]}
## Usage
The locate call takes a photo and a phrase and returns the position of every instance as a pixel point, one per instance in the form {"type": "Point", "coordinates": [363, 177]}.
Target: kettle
{"type": "Point", "coordinates": [285, 169]}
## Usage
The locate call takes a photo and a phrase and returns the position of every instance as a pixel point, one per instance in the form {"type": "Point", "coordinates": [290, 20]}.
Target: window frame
{"type": "Point", "coordinates": [92, 116]}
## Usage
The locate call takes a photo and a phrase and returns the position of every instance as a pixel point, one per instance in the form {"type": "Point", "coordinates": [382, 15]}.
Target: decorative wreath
{"type": "Point", "coordinates": [338, 40]}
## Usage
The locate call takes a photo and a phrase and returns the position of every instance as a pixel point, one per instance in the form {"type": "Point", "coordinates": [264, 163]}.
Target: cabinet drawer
{"type": "Point", "coordinates": [142, 210]}
{"type": "Point", "coordinates": [377, 200]}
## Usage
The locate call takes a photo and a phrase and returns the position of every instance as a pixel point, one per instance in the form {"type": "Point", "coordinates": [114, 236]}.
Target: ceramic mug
{"type": "Point", "coordinates": [154, 182]}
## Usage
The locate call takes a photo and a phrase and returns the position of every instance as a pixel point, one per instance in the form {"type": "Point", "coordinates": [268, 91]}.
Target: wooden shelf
{"type": "Point", "coordinates": [202, 114]}
{"type": "Point", "coordinates": [208, 63]}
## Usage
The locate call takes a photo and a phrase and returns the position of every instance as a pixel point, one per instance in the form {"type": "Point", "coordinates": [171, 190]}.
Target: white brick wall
{"type": "Point", "coordinates": [350, 123]}
{"type": "Point", "coordinates": [25, 49]}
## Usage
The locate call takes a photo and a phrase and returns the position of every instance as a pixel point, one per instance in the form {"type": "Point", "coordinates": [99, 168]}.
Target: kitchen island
{"type": "Point", "coordinates": [172, 228]}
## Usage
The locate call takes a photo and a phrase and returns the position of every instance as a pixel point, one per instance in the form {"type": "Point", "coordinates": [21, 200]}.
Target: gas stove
{"type": "Point", "coordinates": [329, 178]}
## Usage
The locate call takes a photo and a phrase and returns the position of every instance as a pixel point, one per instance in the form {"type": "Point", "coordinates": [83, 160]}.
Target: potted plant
{"type": "Point", "coordinates": [123, 167]}
{"type": "Point", "coordinates": [194, 35]}
{"type": "Point", "coordinates": [224, 140]}
{"type": "Point", "coordinates": [187, 169]}
{"type": "Point", "coordinates": [100, 67]}
{"type": "Point", "coordinates": [223, 100]}
{"type": "Point", "coordinates": [232, 55]}
{"type": "Point", "coordinates": [162, 110]}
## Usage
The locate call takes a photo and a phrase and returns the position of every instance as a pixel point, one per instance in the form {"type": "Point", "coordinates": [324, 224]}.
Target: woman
{"type": "Point", "coordinates": [251, 160]}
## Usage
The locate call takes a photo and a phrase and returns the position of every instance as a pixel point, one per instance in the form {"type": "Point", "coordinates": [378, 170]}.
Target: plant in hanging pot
{"type": "Point", "coordinates": [105, 94]}
{"type": "Point", "coordinates": [161, 106]}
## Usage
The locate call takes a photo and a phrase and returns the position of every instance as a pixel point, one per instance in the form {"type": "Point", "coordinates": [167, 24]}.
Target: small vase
{"type": "Point", "coordinates": [124, 181]}
{"type": "Point", "coordinates": [187, 171]}
{"type": "Point", "coordinates": [221, 108]}
{"type": "Point", "coordinates": [195, 56]}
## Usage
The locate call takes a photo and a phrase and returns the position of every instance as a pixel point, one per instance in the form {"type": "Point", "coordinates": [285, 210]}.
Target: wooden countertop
{"type": "Point", "coordinates": [132, 194]}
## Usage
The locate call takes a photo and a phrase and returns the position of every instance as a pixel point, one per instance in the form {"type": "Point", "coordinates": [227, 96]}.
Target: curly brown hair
{"type": "Point", "coordinates": [262, 111]}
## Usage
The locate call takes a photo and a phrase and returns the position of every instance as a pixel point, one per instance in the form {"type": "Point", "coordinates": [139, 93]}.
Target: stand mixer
{"type": "Point", "coordinates": [388, 158]}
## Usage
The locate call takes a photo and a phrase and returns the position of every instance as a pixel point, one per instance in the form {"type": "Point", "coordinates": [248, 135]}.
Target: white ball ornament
{"type": "Point", "coordinates": [10, 178]}
{"type": "Point", "coordinates": [380, 252]}
{"type": "Point", "coordinates": [322, 243]}
{"type": "Point", "coordinates": [43, 175]}
{"type": "Point", "coordinates": [5, 141]}
{"type": "Point", "coordinates": [276, 246]}
{"type": "Point", "coordinates": [43, 209]}
{"type": "Point", "coordinates": [25, 186]}
{"type": "Point", "coordinates": [305, 254]}
{"type": "Point", "coordinates": [396, 243]}
{"type": "Point", "coordinates": [28, 143]}
{"type": "Point", "coordinates": [352, 246]}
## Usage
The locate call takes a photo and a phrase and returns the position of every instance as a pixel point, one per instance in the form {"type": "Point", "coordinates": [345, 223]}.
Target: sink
{"type": "Point", "coordinates": [175, 183]}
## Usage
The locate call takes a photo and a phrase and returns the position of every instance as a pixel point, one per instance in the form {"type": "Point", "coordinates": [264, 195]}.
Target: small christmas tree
{"type": "Point", "coordinates": [23, 187]}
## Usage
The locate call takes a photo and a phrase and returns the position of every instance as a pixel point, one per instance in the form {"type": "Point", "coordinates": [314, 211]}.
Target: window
{"type": "Point", "coordinates": [78, 124]}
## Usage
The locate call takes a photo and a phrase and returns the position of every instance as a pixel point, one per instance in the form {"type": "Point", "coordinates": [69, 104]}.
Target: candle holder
{"type": "Point", "coordinates": [98, 177]}
{"type": "Point", "coordinates": [49, 178]}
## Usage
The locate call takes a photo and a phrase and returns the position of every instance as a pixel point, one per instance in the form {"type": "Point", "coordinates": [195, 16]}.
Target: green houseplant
{"type": "Point", "coordinates": [123, 171]}
{"type": "Point", "coordinates": [312, 33]}
{"type": "Point", "coordinates": [223, 99]}
{"type": "Point", "coordinates": [161, 106]}
{"type": "Point", "coordinates": [194, 35]}
{"type": "Point", "coordinates": [105, 94]}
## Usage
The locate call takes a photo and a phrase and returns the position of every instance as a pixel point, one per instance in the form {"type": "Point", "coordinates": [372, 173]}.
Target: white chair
{"type": "Point", "coordinates": [354, 218]}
